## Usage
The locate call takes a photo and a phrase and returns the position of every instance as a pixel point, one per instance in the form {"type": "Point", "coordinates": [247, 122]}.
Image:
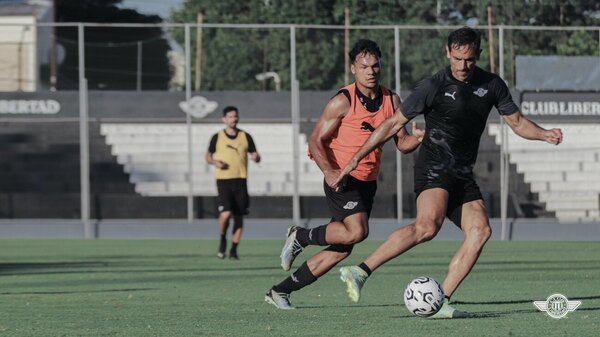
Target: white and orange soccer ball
{"type": "Point", "coordinates": [423, 296]}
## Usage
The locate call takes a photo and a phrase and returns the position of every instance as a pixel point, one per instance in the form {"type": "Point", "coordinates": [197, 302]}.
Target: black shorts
{"type": "Point", "coordinates": [233, 196]}
{"type": "Point", "coordinates": [460, 189]}
{"type": "Point", "coordinates": [356, 197]}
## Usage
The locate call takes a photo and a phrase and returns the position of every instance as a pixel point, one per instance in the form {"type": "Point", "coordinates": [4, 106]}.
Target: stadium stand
{"type": "Point", "coordinates": [565, 178]}
{"type": "Point", "coordinates": [155, 157]}
{"type": "Point", "coordinates": [40, 176]}
{"type": "Point", "coordinates": [40, 172]}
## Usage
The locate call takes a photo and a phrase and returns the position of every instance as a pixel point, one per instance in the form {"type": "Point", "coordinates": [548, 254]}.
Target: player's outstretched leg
{"type": "Point", "coordinates": [354, 277]}
{"type": "Point", "coordinates": [291, 248]}
{"type": "Point", "coordinates": [279, 294]}
{"type": "Point", "coordinates": [279, 300]}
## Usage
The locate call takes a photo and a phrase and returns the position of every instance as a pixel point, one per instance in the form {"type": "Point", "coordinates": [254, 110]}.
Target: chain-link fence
{"type": "Point", "coordinates": [107, 121]}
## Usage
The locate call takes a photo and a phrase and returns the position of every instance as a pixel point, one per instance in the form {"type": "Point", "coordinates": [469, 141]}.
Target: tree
{"type": "Point", "coordinates": [232, 57]}
{"type": "Point", "coordinates": [111, 54]}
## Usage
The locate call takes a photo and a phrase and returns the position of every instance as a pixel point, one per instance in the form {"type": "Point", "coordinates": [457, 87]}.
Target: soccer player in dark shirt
{"type": "Point", "coordinates": [346, 123]}
{"type": "Point", "coordinates": [456, 103]}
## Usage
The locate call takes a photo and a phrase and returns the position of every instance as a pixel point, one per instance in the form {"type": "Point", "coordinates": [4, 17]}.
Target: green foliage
{"type": "Point", "coordinates": [320, 52]}
{"type": "Point", "coordinates": [111, 53]}
{"type": "Point", "coordinates": [579, 43]}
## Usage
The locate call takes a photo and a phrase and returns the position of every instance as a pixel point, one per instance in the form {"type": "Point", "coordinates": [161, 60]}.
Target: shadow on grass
{"type": "Point", "coordinates": [495, 314]}
{"type": "Point", "coordinates": [490, 314]}
{"type": "Point", "coordinates": [6, 268]}
{"type": "Point", "coordinates": [106, 267]}
{"type": "Point", "coordinates": [77, 292]}
{"type": "Point", "coordinates": [520, 301]}
{"type": "Point", "coordinates": [347, 306]}
{"type": "Point", "coordinates": [474, 315]}
{"type": "Point", "coordinates": [174, 256]}
{"type": "Point", "coordinates": [588, 309]}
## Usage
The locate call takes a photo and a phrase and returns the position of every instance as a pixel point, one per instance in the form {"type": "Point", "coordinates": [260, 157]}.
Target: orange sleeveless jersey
{"type": "Point", "coordinates": [352, 134]}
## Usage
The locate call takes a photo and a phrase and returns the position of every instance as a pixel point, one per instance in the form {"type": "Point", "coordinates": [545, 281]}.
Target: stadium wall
{"type": "Point", "coordinates": [53, 115]}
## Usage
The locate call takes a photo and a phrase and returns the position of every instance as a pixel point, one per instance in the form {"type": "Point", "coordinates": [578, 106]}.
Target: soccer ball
{"type": "Point", "coordinates": [423, 296]}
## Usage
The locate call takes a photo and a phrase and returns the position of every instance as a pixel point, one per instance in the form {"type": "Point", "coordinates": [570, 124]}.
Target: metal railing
{"type": "Point", "coordinates": [294, 84]}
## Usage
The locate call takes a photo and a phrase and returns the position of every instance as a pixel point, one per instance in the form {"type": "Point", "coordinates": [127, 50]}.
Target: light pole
{"type": "Point", "coordinates": [270, 74]}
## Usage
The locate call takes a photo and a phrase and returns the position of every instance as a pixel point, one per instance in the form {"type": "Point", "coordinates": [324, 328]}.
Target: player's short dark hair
{"type": "Point", "coordinates": [230, 108]}
{"type": "Point", "coordinates": [364, 46]}
{"type": "Point", "coordinates": [464, 36]}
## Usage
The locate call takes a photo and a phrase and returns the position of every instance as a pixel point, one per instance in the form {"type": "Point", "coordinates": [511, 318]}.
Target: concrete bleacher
{"type": "Point", "coordinates": [156, 158]}
{"type": "Point", "coordinates": [565, 177]}
{"type": "Point", "coordinates": [40, 166]}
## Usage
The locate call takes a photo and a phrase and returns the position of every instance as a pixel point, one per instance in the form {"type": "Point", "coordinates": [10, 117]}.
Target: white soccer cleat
{"type": "Point", "coordinates": [279, 300]}
{"type": "Point", "coordinates": [291, 249]}
{"type": "Point", "coordinates": [447, 311]}
{"type": "Point", "coordinates": [355, 278]}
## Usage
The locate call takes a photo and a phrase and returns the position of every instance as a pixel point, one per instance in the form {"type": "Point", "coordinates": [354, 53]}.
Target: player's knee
{"type": "Point", "coordinates": [238, 221]}
{"type": "Point", "coordinates": [487, 234]}
{"type": "Point", "coordinates": [426, 230]}
{"type": "Point", "coordinates": [481, 234]}
{"type": "Point", "coordinates": [357, 235]}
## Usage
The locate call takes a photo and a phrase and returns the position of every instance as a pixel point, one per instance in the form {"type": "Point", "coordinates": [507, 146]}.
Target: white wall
{"type": "Point", "coordinates": [18, 53]}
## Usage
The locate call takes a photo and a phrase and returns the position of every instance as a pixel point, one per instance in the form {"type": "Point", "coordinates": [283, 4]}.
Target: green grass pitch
{"type": "Point", "coordinates": [179, 288]}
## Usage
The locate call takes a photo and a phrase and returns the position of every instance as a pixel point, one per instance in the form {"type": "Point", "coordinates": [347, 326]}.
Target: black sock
{"type": "Point", "coordinates": [366, 268]}
{"type": "Point", "coordinates": [223, 244]}
{"type": "Point", "coordinates": [298, 280]}
{"type": "Point", "coordinates": [313, 236]}
{"type": "Point", "coordinates": [233, 248]}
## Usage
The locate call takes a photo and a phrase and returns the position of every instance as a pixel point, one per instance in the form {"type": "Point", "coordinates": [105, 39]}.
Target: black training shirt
{"type": "Point", "coordinates": [455, 117]}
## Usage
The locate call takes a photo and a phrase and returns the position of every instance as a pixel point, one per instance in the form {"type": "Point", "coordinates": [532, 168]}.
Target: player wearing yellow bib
{"type": "Point", "coordinates": [228, 151]}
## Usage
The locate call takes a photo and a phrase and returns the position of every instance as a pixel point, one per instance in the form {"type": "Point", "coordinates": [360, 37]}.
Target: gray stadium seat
{"type": "Point", "coordinates": [155, 156]}
{"type": "Point", "coordinates": [566, 177]}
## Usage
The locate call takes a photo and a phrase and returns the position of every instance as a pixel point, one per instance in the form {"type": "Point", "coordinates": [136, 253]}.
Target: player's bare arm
{"type": "Point", "coordinates": [384, 131]}
{"type": "Point", "coordinates": [406, 142]}
{"type": "Point", "coordinates": [527, 129]}
{"type": "Point", "coordinates": [212, 161]}
{"type": "Point", "coordinates": [255, 157]}
{"type": "Point", "coordinates": [327, 125]}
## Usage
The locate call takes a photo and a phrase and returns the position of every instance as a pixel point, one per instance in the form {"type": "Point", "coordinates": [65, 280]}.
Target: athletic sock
{"type": "Point", "coordinates": [313, 236]}
{"type": "Point", "coordinates": [233, 248]}
{"type": "Point", "coordinates": [366, 268]}
{"type": "Point", "coordinates": [298, 280]}
{"type": "Point", "coordinates": [223, 244]}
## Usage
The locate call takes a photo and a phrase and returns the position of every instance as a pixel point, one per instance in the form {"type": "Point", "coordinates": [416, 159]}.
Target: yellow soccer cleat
{"type": "Point", "coordinates": [355, 278]}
